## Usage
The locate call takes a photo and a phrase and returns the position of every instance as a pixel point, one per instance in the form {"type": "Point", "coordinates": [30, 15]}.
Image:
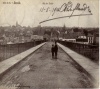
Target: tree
{"type": "Point", "coordinates": [85, 32]}
{"type": "Point", "coordinates": [76, 29]}
{"type": "Point", "coordinates": [63, 31]}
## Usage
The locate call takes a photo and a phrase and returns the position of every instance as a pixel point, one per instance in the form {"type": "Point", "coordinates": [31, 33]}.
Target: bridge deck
{"type": "Point", "coordinates": [40, 71]}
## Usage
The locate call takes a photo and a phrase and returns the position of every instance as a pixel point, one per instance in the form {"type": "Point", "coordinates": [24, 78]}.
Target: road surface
{"type": "Point", "coordinates": [40, 71]}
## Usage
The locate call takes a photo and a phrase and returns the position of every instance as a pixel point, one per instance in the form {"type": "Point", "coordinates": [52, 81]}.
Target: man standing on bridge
{"type": "Point", "coordinates": [56, 50]}
{"type": "Point", "coordinates": [52, 50]}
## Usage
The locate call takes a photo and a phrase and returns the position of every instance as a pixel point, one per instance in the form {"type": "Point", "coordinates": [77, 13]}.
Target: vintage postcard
{"type": "Point", "coordinates": [49, 44]}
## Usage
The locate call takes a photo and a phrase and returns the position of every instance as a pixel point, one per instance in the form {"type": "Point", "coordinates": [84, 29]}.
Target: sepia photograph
{"type": "Point", "coordinates": [49, 44]}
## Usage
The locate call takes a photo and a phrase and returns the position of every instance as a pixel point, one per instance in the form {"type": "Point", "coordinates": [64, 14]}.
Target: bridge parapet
{"type": "Point", "coordinates": [88, 50]}
{"type": "Point", "coordinates": [9, 50]}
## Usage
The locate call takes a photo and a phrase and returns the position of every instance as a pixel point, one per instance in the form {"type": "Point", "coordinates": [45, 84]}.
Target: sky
{"type": "Point", "coordinates": [28, 13]}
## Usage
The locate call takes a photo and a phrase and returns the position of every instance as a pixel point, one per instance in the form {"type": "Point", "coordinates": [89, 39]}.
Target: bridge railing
{"type": "Point", "coordinates": [9, 50]}
{"type": "Point", "coordinates": [90, 51]}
